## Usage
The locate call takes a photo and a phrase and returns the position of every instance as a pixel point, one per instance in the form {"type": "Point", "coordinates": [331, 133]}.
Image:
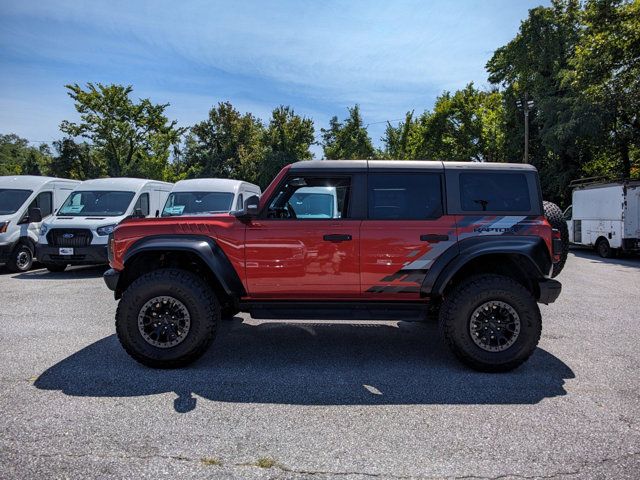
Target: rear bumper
{"type": "Point", "coordinates": [549, 290]}
{"type": "Point", "coordinates": [91, 255]}
{"type": "Point", "coordinates": [111, 278]}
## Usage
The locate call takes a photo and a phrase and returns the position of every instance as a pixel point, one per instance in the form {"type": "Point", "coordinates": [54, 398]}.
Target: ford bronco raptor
{"type": "Point", "coordinates": [349, 239]}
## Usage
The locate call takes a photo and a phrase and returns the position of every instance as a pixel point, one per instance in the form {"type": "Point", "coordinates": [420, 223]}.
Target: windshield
{"type": "Point", "coordinates": [12, 200]}
{"type": "Point", "coordinates": [100, 203]}
{"type": "Point", "coordinates": [197, 203]}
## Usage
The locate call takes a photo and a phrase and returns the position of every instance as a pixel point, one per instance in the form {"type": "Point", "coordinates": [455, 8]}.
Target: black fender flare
{"type": "Point", "coordinates": [531, 249]}
{"type": "Point", "coordinates": [206, 248]}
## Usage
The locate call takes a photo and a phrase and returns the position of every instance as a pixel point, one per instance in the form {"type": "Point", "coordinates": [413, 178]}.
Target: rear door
{"type": "Point", "coordinates": [302, 246]}
{"type": "Point", "coordinates": [405, 231]}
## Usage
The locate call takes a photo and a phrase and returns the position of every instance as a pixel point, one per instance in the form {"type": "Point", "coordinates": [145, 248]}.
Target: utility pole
{"type": "Point", "coordinates": [526, 105]}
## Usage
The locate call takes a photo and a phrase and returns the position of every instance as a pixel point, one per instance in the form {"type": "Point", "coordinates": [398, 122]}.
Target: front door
{"type": "Point", "coordinates": [305, 244]}
{"type": "Point", "coordinates": [404, 233]}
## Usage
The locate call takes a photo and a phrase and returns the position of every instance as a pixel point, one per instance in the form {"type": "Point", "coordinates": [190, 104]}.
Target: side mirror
{"type": "Point", "coordinates": [251, 208]}
{"type": "Point", "coordinates": [137, 213]}
{"type": "Point", "coordinates": [157, 213]}
{"type": "Point", "coordinates": [35, 215]}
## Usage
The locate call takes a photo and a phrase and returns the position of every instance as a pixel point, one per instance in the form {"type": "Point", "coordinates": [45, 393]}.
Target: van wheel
{"type": "Point", "coordinates": [604, 249]}
{"type": "Point", "coordinates": [55, 267]}
{"type": "Point", "coordinates": [556, 219]}
{"type": "Point", "coordinates": [167, 318]}
{"type": "Point", "coordinates": [491, 323]}
{"type": "Point", "coordinates": [21, 259]}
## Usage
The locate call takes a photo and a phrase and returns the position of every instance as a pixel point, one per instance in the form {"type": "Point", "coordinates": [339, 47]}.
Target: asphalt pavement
{"type": "Point", "coordinates": [318, 400]}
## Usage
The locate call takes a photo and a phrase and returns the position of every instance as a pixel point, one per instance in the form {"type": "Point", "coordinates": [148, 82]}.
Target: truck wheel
{"type": "Point", "coordinates": [55, 267]}
{"type": "Point", "coordinates": [167, 318]}
{"type": "Point", "coordinates": [556, 219]}
{"type": "Point", "coordinates": [603, 248]}
{"type": "Point", "coordinates": [491, 323]}
{"type": "Point", "coordinates": [21, 259]}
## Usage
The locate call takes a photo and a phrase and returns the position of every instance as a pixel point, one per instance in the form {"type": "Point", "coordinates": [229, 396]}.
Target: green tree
{"type": "Point", "coordinates": [80, 161]}
{"type": "Point", "coordinates": [287, 139]}
{"type": "Point", "coordinates": [396, 139]}
{"type": "Point", "coordinates": [349, 139]}
{"type": "Point", "coordinates": [135, 138]}
{"type": "Point", "coordinates": [226, 145]}
{"type": "Point", "coordinates": [18, 158]}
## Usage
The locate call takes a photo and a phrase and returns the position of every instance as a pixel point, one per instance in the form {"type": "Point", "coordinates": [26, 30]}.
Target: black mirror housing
{"type": "Point", "coordinates": [251, 208]}
{"type": "Point", "coordinates": [35, 215]}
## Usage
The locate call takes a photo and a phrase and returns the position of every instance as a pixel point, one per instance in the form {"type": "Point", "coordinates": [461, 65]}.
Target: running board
{"type": "Point", "coordinates": [295, 310]}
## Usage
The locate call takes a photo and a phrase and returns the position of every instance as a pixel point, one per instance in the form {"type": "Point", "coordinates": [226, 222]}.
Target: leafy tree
{"type": "Point", "coordinates": [348, 139]}
{"type": "Point", "coordinates": [18, 158]}
{"type": "Point", "coordinates": [287, 139]}
{"type": "Point", "coordinates": [226, 145]}
{"type": "Point", "coordinates": [135, 138]}
{"type": "Point", "coordinates": [79, 161]}
{"type": "Point", "coordinates": [396, 139]}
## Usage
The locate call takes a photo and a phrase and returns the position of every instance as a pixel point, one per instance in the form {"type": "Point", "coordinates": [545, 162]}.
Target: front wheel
{"type": "Point", "coordinates": [167, 318]}
{"type": "Point", "coordinates": [491, 323]}
{"type": "Point", "coordinates": [604, 249]}
{"type": "Point", "coordinates": [21, 259]}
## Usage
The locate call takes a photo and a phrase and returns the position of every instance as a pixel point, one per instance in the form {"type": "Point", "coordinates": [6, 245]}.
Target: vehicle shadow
{"type": "Point", "coordinates": [89, 271]}
{"type": "Point", "coordinates": [311, 364]}
{"type": "Point", "coordinates": [628, 260]}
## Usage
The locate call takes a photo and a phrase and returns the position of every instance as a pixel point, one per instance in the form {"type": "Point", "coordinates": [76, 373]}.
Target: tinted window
{"type": "Point", "coordinates": [99, 203]}
{"type": "Point", "coordinates": [44, 202]}
{"type": "Point", "coordinates": [143, 204]}
{"type": "Point", "coordinates": [413, 196]}
{"type": "Point", "coordinates": [197, 203]}
{"type": "Point", "coordinates": [311, 198]}
{"type": "Point", "coordinates": [11, 200]}
{"type": "Point", "coordinates": [494, 192]}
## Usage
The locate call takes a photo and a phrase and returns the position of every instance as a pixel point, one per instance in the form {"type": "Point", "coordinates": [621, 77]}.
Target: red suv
{"type": "Point", "coordinates": [351, 240]}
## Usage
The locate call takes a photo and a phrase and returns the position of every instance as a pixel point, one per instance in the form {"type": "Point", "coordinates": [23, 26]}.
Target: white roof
{"type": "Point", "coordinates": [118, 184]}
{"type": "Point", "coordinates": [30, 182]}
{"type": "Point", "coordinates": [210, 185]}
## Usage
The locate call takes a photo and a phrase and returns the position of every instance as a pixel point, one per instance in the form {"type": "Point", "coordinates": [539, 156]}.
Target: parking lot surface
{"type": "Point", "coordinates": [317, 400]}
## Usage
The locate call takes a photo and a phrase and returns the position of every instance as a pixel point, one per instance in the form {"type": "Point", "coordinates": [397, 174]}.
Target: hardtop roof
{"type": "Point", "coordinates": [406, 165]}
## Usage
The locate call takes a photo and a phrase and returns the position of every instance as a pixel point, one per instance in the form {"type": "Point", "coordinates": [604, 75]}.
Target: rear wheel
{"type": "Point", "coordinates": [604, 249]}
{"type": "Point", "coordinates": [21, 259]}
{"type": "Point", "coordinates": [167, 318]}
{"type": "Point", "coordinates": [491, 323]}
{"type": "Point", "coordinates": [556, 219]}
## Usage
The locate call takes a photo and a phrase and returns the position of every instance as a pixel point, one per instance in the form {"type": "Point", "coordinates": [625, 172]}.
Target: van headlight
{"type": "Point", "coordinates": [105, 230]}
{"type": "Point", "coordinates": [43, 229]}
{"type": "Point", "coordinates": [3, 226]}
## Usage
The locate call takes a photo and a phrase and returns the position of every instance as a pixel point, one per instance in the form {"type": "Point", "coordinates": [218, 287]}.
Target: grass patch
{"type": "Point", "coordinates": [265, 462]}
{"type": "Point", "coordinates": [211, 462]}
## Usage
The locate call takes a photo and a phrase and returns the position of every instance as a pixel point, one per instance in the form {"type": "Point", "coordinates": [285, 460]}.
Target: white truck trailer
{"type": "Point", "coordinates": [605, 216]}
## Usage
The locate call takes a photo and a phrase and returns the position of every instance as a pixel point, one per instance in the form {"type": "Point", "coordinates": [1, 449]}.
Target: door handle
{"type": "Point", "coordinates": [434, 238]}
{"type": "Point", "coordinates": [337, 237]}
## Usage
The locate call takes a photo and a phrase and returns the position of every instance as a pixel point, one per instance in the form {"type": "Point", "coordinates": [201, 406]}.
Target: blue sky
{"type": "Point", "coordinates": [318, 57]}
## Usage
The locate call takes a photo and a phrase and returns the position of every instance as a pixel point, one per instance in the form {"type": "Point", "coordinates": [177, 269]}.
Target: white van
{"type": "Point", "coordinates": [315, 202]}
{"type": "Point", "coordinates": [605, 215]}
{"type": "Point", "coordinates": [25, 201]}
{"type": "Point", "coordinates": [204, 196]}
{"type": "Point", "coordinates": [78, 233]}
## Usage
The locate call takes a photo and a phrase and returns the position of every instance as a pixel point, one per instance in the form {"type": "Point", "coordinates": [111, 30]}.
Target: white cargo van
{"type": "Point", "coordinates": [605, 216]}
{"type": "Point", "coordinates": [25, 201]}
{"type": "Point", "coordinates": [315, 202]}
{"type": "Point", "coordinates": [78, 233]}
{"type": "Point", "coordinates": [204, 196]}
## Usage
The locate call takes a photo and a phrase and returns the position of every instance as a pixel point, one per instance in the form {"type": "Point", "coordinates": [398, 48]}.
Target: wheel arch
{"type": "Point", "coordinates": [524, 258]}
{"type": "Point", "coordinates": [197, 253]}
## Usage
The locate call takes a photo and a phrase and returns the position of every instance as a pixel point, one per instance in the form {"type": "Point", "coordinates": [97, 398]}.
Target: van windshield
{"type": "Point", "coordinates": [99, 203]}
{"type": "Point", "coordinates": [197, 203]}
{"type": "Point", "coordinates": [11, 200]}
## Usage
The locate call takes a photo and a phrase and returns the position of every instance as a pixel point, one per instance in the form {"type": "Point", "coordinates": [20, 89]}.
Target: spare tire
{"type": "Point", "coordinates": [554, 216]}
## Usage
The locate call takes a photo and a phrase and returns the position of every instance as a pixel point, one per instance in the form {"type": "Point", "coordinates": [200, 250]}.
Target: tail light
{"type": "Point", "coordinates": [556, 244]}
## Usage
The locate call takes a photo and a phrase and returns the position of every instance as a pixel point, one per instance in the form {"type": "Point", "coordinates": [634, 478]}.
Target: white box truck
{"type": "Point", "coordinates": [78, 233]}
{"type": "Point", "coordinates": [25, 201]}
{"type": "Point", "coordinates": [605, 216]}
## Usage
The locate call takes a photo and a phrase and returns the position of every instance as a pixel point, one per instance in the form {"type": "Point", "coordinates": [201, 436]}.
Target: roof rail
{"type": "Point", "coordinates": [583, 182]}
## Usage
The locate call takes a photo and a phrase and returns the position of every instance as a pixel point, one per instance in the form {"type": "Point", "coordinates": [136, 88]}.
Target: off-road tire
{"type": "Point", "coordinates": [556, 219]}
{"type": "Point", "coordinates": [459, 305]}
{"type": "Point", "coordinates": [55, 267]}
{"type": "Point", "coordinates": [14, 265]}
{"type": "Point", "coordinates": [604, 248]}
{"type": "Point", "coordinates": [197, 297]}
